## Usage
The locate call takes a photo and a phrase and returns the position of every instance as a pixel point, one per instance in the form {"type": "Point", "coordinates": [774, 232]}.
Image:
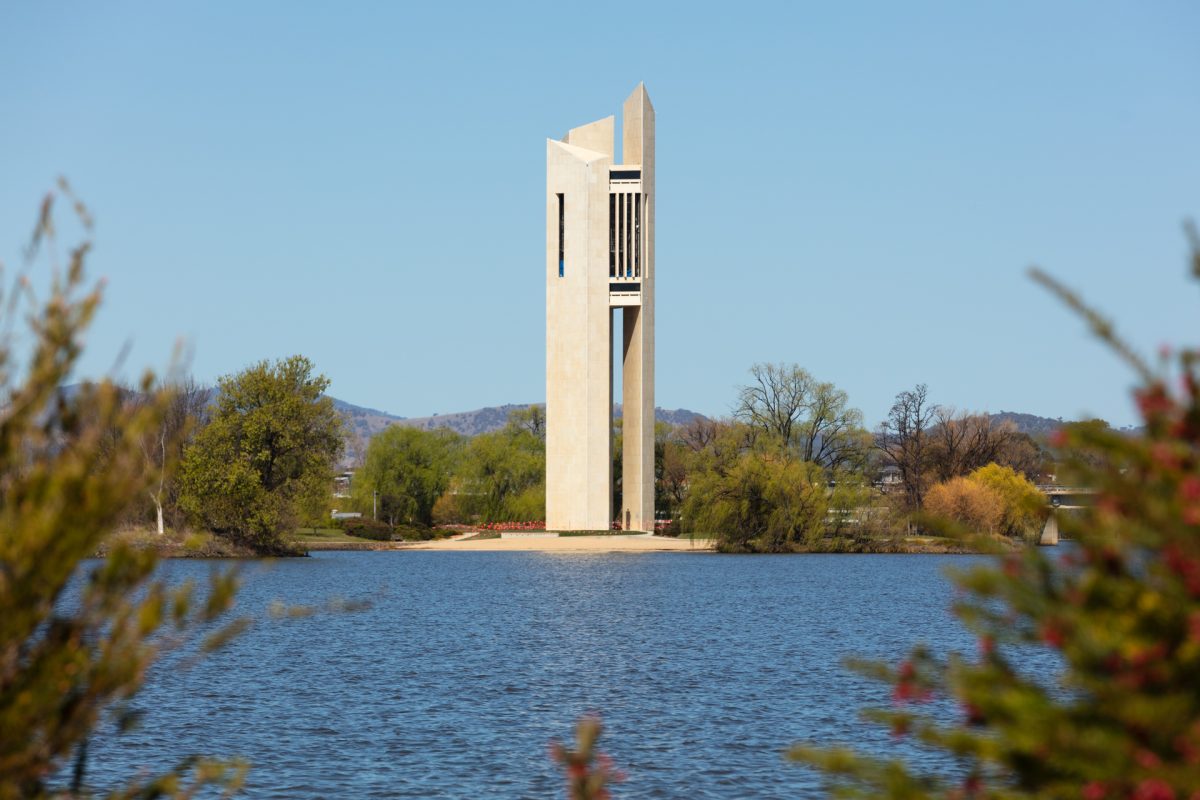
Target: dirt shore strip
{"type": "Point", "coordinates": [570, 544]}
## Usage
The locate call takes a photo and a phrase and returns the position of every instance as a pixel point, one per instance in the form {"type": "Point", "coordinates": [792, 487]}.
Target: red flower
{"type": "Point", "coordinates": [1153, 789]}
{"type": "Point", "coordinates": [1153, 402]}
{"type": "Point", "coordinates": [1164, 456]}
{"type": "Point", "coordinates": [1187, 748]}
{"type": "Point", "coordinates": [1183, 566]}
{"type": "Point", "coordinates": [1094, 790]}
{"type": "Point", "coordinates": [1189, 489]}
{"type": "Point", "coordinates": [1052, 635]}
{"type": "Point", "coordinates": [1147, 760]}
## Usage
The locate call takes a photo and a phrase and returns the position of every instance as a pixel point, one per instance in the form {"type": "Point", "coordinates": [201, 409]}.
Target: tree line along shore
{"type": "Point", "coordinates": [247, 468]}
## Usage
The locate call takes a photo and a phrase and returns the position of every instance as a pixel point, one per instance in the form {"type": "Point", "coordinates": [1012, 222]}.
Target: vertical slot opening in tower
{"type": "Point", "coordinates": [612, 236]}
{"type": "Point", "coordinates": [561, 232]}
{"type": "Point", "coordinates": [637, 235]}
{"type": "Point", "coordinates": [628, 235]}
{"type": "Point", "coordinates": [616, 382]}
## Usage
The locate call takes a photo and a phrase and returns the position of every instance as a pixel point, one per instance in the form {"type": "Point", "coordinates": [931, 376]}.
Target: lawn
{"type": "Point", "coordinates": [326, 535]}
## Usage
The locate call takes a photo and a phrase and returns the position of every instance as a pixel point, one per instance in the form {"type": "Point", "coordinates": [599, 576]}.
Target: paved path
{"type": "Point", "coordinates": [571, 544]}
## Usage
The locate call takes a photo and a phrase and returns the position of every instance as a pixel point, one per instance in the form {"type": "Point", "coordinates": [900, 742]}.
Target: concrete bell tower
{"type": "Point", "coordinates": [600, 256]}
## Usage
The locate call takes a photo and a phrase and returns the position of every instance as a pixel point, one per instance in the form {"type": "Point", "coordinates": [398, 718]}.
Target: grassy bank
{"type": "Point", "coordinates": [177, 544]}
{"type": "Point", "coordinates": [325, 536]}
{"type": "Point", "coordinates": [901, 544]}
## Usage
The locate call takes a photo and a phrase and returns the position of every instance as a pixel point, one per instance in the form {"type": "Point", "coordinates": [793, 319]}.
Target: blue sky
{"type": "Point", "coordinates": [854, 187]}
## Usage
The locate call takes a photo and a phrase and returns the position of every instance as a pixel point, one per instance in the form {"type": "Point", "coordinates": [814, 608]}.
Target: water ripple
{"type": "Point", "coordinates": [705, 668]}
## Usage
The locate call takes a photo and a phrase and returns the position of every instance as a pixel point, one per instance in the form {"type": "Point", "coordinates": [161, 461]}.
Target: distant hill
{"type": "Point", "coordinates": [468, 423]}
{"type": "Point", "coordinates": [493, 418]}
{"type": "Point", "coordinates": [363, 422]}
{"type": "Point", "coordinates": [1031, 424]}
{"type": "Point", "coordinates": [671, 416]}
{"type": "Point", "coordinates": [1034, 425]}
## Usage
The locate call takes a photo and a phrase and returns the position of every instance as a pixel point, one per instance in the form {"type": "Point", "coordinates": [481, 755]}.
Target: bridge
{"type": "Point", "coordinates": [1061, 498]}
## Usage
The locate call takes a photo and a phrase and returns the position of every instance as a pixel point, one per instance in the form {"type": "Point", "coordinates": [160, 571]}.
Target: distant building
{"type": "Point", "coordinates": [889, 480]}
{"type": "Point", "coordinates": [341, 484]}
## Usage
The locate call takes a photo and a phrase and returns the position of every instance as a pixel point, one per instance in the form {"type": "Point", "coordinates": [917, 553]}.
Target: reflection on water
{"type": "Point", "coordinates": [703, 667]}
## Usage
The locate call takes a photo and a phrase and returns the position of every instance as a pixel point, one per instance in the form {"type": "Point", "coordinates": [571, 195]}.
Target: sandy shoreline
{"type": "Point", "coordinates": [638, 543]}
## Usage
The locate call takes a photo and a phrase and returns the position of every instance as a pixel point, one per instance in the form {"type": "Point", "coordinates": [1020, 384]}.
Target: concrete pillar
{"type": "Point", "coordinates": [1049, 536]}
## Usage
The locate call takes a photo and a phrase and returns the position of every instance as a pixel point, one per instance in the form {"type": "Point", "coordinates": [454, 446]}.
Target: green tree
{"type": "Point", "coordinates": [71, 465]}
{"type": "Point", "coordinates": [531, 419]}
{"type": "Point", "coordinates": [763, 503]}
{"type": "Point", "coordinates": [852, 508]}
{"type": "Point", "coordinates": [406, 470]}
{"type": "Point", "coordinates": [1120, 612]}
{"type": "Point", "coordinates": [265, 460]}
{"type": "Point", "coordinates": [503, 474]}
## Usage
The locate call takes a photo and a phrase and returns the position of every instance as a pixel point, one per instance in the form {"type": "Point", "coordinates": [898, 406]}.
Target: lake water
{"type": "Point", "coordinates": [703, 667]}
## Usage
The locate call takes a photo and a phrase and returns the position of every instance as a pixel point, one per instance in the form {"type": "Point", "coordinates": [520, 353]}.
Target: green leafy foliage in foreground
{"type": "Point", "coordinates": [1121, 612]}
{"type": "Point", "coordinates": [70, 466]}
{"type": "Point", "coordinates": [265, 461]}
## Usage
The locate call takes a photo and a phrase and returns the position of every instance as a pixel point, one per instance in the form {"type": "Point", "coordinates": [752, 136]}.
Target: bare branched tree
{"type": "Point", "coordinates": [699, 433]}
{"type": "Point", "coordinates": [186, 413]}
{"type": "Point", "coordinates": [831, 433]}
{"type": "Point", "coordinates": [903, 439]}
{"type": "Point", "coordinates": [809, 418]}
{"type": "Point", "coordinates": [531, 419]}
{"type": "Point", "coordinates": [776, 400]}
{"type": "Point", "coordinates": [961, 442]}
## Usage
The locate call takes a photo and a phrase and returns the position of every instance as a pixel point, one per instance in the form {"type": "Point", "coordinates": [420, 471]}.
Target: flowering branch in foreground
{"type": "Point", "coordinates": [1119, 612]}
{"type": "Point", "coordinates": [589, 772]}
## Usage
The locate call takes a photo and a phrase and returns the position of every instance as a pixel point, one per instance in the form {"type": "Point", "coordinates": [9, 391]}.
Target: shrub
{"type": "Point", "coordinates": [419, 533]}
{"type": "Point", "coordinates": [974, 505]}
{"type": "Point", "coordinates": [365, 528]}
{"type": "Point", "coordinates": [449, 510]}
